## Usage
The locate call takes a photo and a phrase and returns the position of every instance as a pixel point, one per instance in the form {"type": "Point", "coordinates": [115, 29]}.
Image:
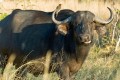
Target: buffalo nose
{"type": "Point", "coordinates": [84, 38]}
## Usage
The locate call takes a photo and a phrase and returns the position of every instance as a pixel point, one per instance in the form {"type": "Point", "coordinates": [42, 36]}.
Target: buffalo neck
{"type": "Point", "coordinates": [82, 52]}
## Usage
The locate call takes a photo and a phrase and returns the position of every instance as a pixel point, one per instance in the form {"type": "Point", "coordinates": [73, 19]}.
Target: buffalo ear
{"type": "Point", "coordinates": [62, 28]}
{"type": "Point", "coordinates": [101, 30]}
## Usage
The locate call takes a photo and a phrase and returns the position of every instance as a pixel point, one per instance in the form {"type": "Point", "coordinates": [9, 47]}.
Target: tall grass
{"type": "Point", "coordinates": [96, 6]}
{"type": "Point", "coordinates": [101, 64]}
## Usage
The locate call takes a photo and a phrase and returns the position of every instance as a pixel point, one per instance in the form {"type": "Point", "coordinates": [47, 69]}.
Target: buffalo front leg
{"type": "Point", "coordinates": [64, 72]}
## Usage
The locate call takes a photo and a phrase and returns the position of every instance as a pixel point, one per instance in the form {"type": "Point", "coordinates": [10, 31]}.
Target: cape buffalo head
{"type": "Point", "coordinates": [82, 24]}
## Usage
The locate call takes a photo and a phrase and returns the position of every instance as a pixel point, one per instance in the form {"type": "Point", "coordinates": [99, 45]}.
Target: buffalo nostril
{"type": "Point", "coordinates": [80, 38]}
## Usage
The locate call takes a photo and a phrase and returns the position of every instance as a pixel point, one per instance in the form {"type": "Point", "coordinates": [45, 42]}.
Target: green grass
{"type": "Point", "coordinates": [118, 25]}
{"type": "Point", "coordinates": [107, 68]}
{"type": "Point", "coordinates": [3, 15]}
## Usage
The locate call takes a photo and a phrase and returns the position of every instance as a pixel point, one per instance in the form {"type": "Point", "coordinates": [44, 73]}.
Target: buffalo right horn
{"type": "Point", "coordinates": [101, 21]}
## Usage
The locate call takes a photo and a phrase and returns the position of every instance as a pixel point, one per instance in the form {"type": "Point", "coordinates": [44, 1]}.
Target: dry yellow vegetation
{"type": "Point", "coordinates": [96, 6]}
{"type": "Point", "coordinates": [98, 65]}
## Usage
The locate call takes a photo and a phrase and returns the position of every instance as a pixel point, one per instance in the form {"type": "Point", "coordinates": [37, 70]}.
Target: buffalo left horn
{"type": "Point", "coordinates": [56, 11]}
{"type": "Point", "coordinates": [101, 21]}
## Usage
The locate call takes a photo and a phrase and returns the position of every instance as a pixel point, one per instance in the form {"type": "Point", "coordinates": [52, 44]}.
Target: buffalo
{"type": "Point", "coordinates": [30, 34]}
{"type": "Point", "coordinates": [13, 27]}
{"type": "Point", "coordinates": [79, 38]}
{"type": "Point", "coordinates": [66, 33]}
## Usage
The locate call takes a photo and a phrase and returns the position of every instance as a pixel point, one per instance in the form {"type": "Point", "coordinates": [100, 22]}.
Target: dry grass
{"type": "Point", "coordinates": [96, 6]}
{"type": "Point", "coordinates": [96, 67]}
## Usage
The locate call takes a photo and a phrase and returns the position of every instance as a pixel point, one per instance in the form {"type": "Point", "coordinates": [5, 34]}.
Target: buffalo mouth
{"type": "Point", "coordinates": [86, 42]}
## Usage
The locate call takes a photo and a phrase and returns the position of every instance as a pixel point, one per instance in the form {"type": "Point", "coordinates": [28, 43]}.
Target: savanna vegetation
{"type": "Point", "coordinates": [103, 61]}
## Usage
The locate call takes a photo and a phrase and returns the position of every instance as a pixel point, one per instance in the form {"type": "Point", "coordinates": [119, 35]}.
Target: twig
{"type": "Point", "coordinates": [117, 45]}
{"type": "Point", "coordinates": [114, 29]}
